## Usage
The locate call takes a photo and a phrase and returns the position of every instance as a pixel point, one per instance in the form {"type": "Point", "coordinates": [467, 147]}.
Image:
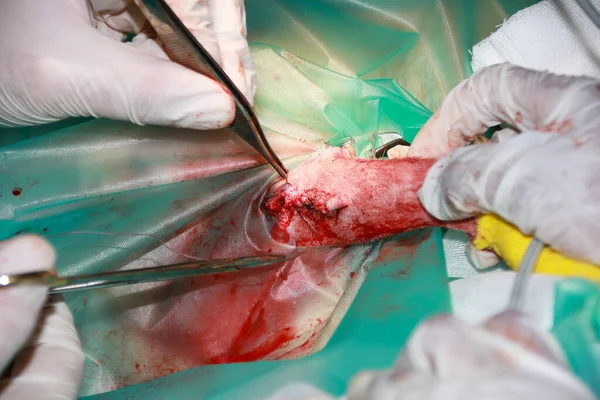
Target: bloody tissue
{"type": "Point", "coordinates": [337, 199]}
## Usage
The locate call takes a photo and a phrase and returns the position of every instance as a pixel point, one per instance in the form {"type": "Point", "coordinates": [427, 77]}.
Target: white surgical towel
{"type": "Point", "coordinates": [552, 35]}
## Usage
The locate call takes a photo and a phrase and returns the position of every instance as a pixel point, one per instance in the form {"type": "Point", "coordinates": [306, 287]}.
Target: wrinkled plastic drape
{"type": "Point", "coordinates": [328, 70]}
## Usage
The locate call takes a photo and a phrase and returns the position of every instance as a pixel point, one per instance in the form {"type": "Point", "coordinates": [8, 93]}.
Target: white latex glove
{"type": "Point", "coordinates": [64, 58]}
{"type": "Point", "coordinates": [49, 359]}
{"type": "Point", "coordinates": [544, 180]}
{"type": "Point", "coordinates": [447, 359]}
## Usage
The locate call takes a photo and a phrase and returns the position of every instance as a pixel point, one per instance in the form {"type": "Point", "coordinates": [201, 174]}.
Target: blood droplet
{"type": "Point", "coordinates": [518, 117]}
{"type": "Point", "coordinates": [17, 191]}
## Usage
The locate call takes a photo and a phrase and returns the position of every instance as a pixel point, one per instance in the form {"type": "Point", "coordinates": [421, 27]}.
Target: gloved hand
{"type": "Point", "coordinates": [49, 359]}
{"type": "Point", "coordinates": [447, 359]}
{"type": "Point", "coordinates": [544, 179]}
{"type": "Point", "coordinates": [65, 58]}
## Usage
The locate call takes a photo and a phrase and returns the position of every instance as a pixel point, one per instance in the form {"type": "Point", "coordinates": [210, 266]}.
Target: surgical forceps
{"type": "Point", "coordinates": [183, 48]}
{"type": "Point", "coordinates": [61, 284]}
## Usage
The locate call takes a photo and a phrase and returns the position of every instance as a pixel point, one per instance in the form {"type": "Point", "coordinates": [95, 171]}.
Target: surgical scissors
{"type": "Point", "coordinates": [184, 49]}
{"type": "Point", "coordinates": [61, 284]}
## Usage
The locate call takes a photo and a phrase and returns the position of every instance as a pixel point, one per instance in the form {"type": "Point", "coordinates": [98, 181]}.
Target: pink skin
{"type": "Point", "coordinates": [337, 199]}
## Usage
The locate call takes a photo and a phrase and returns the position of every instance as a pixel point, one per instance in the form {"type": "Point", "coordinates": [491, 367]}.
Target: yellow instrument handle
{"type": "Point", "coordinates": [493, 233]}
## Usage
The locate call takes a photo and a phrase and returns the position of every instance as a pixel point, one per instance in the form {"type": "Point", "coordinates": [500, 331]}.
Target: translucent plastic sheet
{"type": "Point", "coordinates": [202, 191]}
{"type": "Point", "coordinates": [406, 284]}
{"type": "Point", "coordinates": [423, 45]}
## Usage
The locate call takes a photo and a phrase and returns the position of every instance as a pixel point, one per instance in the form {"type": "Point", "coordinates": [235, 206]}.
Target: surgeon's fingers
{"type": "Point", "coordinates": [229, 27]}
{"type": "Point", "coordinates": [52, 362]}
{"type": "Point", "coordinates": [545, 185]}
{"type": "Point", "coordinates": [525, 99]}
{"type": "Point", "coordinates": [449, 359]}
{"type": "Point", "coordinates": [516, 328]}
{"type": "Point", "coordinates": [196, 17]}
{"type": "Point", "coordinates": [115, 18]}
{"type": "Point", "coordinates": [20, 306]}
{"type": "Point", "coordinates": [123, 83]}
{"type": "Point", "coordinates": [449, 348]}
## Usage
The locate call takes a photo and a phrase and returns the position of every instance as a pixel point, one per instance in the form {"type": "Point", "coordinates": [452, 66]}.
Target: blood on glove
{"type": "Point", "coordinates": [541, 174]}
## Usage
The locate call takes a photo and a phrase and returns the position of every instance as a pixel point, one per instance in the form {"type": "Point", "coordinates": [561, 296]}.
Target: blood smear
{"type": "Point", "coordinates": [237, 317]}
{"type": "Point", "coordinates": [277, 312]}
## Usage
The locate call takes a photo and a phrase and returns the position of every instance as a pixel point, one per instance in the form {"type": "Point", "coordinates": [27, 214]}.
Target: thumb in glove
{"type": "Point", "coordinates": [39, 341]}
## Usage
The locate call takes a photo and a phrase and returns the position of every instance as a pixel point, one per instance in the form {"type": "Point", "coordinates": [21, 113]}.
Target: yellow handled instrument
{"type": "Point", "coordinates": [493, 233]}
